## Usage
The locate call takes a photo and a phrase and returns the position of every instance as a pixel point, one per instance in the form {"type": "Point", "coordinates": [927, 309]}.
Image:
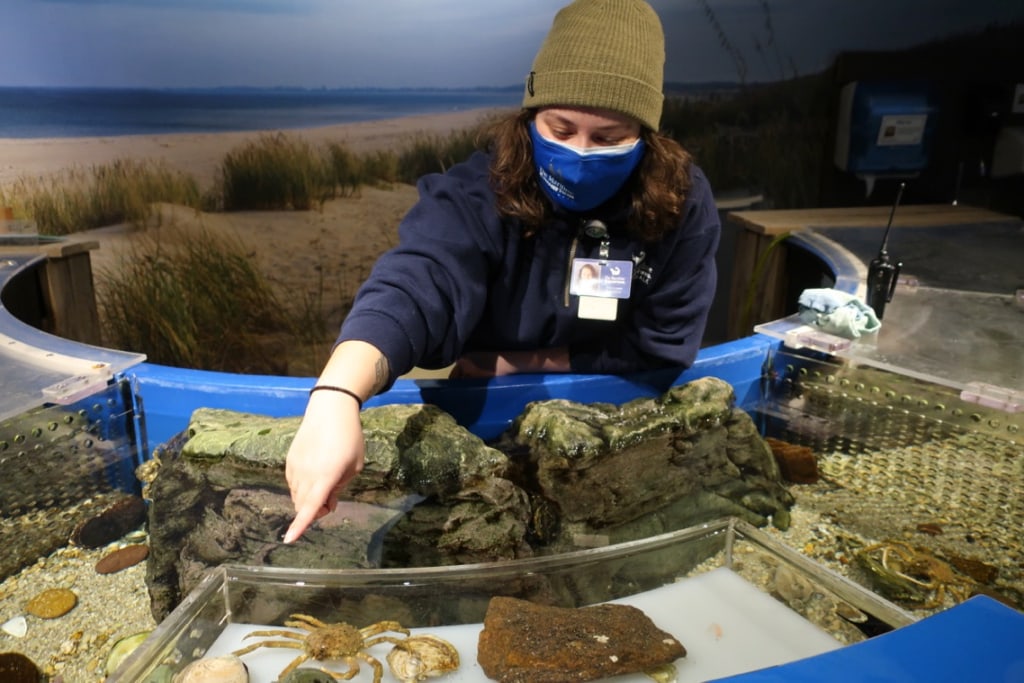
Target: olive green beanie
{"type": "Point", "coordinates": [608, 54]}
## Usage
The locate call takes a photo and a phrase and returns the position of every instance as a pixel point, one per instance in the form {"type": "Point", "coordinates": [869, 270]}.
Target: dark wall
{"type": "Point", "coordinates": [972, 80]}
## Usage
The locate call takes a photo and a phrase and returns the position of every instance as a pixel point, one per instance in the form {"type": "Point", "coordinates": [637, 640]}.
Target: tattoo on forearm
{"type": "Point", "coordinates": [380, 374]}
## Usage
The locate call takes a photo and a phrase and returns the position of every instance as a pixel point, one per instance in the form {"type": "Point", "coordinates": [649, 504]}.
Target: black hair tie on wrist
{"type": "Point", "coordinates": [340, 390]}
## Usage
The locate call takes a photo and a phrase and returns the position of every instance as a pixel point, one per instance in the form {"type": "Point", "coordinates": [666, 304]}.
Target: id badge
{"type": "Point", "coordinates": [600, 284]}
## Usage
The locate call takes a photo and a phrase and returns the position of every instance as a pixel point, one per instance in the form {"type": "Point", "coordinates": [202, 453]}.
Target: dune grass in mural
{"type": "Point", "coordinates": [78, 198]}
{"type": "Point", "coordinates": [193, 299]}
{"type": "Point", "coordinates": [276, 172]}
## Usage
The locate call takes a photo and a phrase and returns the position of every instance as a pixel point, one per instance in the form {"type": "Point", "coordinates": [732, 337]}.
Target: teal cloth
{"type": "Point", "coordinates": [837, 313]}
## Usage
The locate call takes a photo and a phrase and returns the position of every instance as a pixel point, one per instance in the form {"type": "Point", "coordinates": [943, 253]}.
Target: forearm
{"type": "Point", "coordinates": [357, 366]}
{"type": "Point", "coordinates": [541, 360]}
{"type": "Point", "coordinates": [497, 363]}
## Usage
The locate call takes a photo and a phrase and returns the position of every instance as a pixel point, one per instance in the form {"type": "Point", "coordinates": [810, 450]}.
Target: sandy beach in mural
{"type": "Point", "coordinates": [201, 153]}
{"type": "Point", "coordinates": [319, 253]}
{"type": "Point", "coordinates": [292, 246]}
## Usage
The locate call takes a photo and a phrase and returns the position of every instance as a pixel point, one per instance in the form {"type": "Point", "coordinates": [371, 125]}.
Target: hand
{"type": "Point", "coordinates": [325, 455]}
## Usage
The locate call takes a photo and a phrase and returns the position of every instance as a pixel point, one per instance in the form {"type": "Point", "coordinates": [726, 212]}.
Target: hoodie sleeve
{"type": "Point", "coordinates": [424, 297]}
{"type": "Point", "coordinates": [664, 322]}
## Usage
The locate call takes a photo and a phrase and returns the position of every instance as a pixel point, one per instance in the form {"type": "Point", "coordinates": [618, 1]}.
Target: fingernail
{"type": "Point", "coordinates": [288, 537]}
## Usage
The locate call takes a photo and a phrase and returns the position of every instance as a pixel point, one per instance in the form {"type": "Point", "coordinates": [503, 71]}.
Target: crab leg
{"type": "Point", "coordinates": [266, 643]}
{"type": "Point", "coordinates": [381, 627]}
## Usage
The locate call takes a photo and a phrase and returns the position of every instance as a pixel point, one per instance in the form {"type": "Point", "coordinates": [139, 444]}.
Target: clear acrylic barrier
{"type": "Point", "coordinates": [715, 587]}
{"type": "Point", "coordinates": [948, 337]}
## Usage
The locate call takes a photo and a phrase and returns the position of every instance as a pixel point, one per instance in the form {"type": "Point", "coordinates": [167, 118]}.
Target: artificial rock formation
{"type": "Point", "coordinates": [219, 495]}
{"type": "Point", "coordinates": [565, 476]}
{"type": "Point", "coordinates": [651, 465]}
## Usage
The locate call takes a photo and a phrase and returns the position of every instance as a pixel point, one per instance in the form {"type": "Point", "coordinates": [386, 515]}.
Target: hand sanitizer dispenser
{"type": "Point", "coordinates": [884, 129]}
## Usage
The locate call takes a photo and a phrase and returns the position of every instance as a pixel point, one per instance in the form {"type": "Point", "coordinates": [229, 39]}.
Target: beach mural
{"type": "Point", "coordinates": [297, 128]}
{"type": "Point", "coordinates": [235, 167]}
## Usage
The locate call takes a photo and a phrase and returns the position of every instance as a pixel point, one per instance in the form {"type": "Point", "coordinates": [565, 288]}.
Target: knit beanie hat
{"type": "Point", "coordinates": [608, 54]}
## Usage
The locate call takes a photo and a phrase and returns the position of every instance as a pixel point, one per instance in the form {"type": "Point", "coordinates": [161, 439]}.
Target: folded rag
{"type": "Point", "coordinates": [837, 313]}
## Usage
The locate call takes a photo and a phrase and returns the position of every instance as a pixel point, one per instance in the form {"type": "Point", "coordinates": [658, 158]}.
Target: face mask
{"type": "Point", "coordinates": [580, 179]}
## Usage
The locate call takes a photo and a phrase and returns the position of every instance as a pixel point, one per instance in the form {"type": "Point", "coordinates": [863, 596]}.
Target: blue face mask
{"type": "Point", "coordinates": [580, 179]}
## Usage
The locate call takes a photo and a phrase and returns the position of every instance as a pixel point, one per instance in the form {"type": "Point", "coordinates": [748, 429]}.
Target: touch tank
{"type": "Point", "coordinates": [70, 435]}
{"type": "Point", "coordinates": [918, 428]}
{"type": "Point", "coordinates": [920, 482]}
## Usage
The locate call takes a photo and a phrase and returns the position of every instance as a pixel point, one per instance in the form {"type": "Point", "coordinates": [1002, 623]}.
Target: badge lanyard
{"type": "Point", "coordinates": [600, 282]}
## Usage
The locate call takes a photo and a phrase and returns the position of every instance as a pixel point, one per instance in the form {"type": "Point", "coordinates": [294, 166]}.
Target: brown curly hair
{"type": "Point", "coordinates": [658, 188]}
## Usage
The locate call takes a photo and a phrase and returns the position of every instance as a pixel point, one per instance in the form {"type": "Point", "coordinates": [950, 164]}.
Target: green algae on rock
{"type": "Point", "coordinates": [220, 495]}
{"type": "Point", "coordinates": [605, 466]}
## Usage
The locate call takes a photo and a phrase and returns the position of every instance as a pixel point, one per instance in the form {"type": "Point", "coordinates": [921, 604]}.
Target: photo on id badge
{"type": "Point", "coordinates": [592, 277]}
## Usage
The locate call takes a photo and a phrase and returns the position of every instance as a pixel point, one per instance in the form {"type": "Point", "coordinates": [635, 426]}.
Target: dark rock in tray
{"type": "Point", "coordinates": [523, 642]}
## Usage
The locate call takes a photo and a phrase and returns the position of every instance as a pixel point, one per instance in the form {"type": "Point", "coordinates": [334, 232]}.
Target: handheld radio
{"type": "Point", "coordinates": [882, 272]}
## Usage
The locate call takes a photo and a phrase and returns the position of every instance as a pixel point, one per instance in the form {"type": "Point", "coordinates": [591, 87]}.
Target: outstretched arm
{"type": "Point", "coordinates": [328, 448]}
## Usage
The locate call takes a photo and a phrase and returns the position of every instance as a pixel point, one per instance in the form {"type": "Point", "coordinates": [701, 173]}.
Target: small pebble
{"type": "Point", "coordinates": [16, 626]}
{"type": "Point", "coordinates": [122, 559]}
{"type": "Point", "coordinates": [137, 536]}
{"type": "Point", "coordinates": [111, 524]}
{"type": "Point", "coordinates": [17, 668]}
{"type": "Point", "coordinates": [52, 603]}
{"type": "Point", "coordinates": [309, 676]}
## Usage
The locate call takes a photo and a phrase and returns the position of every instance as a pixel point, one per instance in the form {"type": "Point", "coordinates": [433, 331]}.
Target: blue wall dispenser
{"type": "Point", "coordinates": [884, 129]}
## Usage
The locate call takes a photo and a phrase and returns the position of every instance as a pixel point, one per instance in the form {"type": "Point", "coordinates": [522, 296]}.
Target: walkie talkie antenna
{"type": "Point", "coordinates": [892, 214]}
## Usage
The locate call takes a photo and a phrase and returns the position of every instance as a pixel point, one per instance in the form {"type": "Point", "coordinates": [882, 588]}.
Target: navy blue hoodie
{"type": "Point", "coordinates": [463, 278]}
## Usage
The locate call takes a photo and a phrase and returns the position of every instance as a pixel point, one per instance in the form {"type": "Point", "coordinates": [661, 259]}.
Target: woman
{"type": "Point", "coordinates": [481, 276]}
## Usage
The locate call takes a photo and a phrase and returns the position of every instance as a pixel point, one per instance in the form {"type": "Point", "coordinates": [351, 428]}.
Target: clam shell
{"type": "Point", "coordinates": [422, 656]}
{"type": "Point", "coordinates": [227, 669]}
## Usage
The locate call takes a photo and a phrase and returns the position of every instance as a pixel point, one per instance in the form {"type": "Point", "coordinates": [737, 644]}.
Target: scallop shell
{"type": "Point", "coordinates": [422, 656]}
{"type": "Point", "coordinates": [227, 669]}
